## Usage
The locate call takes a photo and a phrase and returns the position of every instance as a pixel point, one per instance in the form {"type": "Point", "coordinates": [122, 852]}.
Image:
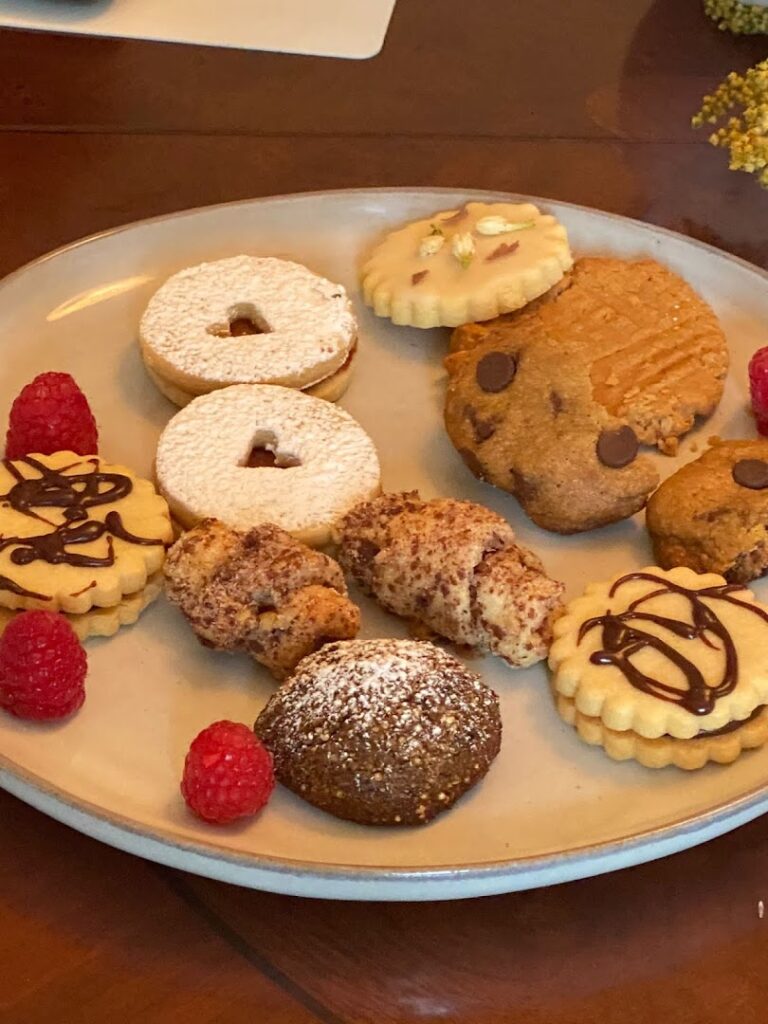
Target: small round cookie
{"type": "Point", "coordinates": [103, 622]}
{"type": "Point", "coordinates": [468, 264]}
{"type": "Point", "coordinates": [257, 453]}
{"type": "Point", "coordinates": [712, 515]}
{"type": "Point", "coordinates": [262, 592]}
{"type": "Point", "coordinates": [77, 532]}
{"type": "Point", "coordinates": [382, 732]}
{"type": "Point", "coordinates": [246, 319]}
{"type": "Point", "coordinates": [665, 667]}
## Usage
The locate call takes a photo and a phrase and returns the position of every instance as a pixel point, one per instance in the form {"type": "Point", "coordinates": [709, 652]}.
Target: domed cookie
{"type": "Point", "coordinates": [382, 732]}
{"type": "Point", "coordinates": [262, 592]}
{"type": "Point", "coordinates": [712, 515]}
{"type": "Point", "coordinates": [77, 533]}
{"type": "Point", "coordinates": [467, 264]}
{"type": "Point", "coordinates": [455, 568]}
{"type": "Point", "coordinates": [551, 403]}
{"type": "Point", "coordinates": [256, 453]}
{"type": "Point", "coordinates": [665, 667]}
{"type": "Point", "coordinates": [247, 319]}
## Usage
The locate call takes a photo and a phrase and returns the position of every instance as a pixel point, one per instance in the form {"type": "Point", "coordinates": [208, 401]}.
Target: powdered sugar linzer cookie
{"type": "Point", "coordinates": [468, 264]}
{"type": "Point", "coordinates": [248, 319]}
{"type": "Point", "coordinates": [257, 453]}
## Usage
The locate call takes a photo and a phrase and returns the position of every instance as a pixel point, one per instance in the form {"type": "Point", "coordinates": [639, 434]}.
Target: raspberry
{"type": "Point", "coordinates": [758, 388]}
{"type": "Point", "coordinates": [42, 667]}
{"type": "Point", "coordinates": [227, 773]}
{"type": "Point", "coordinates": [51, 414]}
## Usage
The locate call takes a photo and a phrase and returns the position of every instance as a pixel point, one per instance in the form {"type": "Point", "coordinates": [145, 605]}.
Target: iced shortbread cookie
{"type": "Point", "coordinates": [468, 264]}
{"type": "Point", "coordinates": [256, 453]}
{"type": "Point", "coordinates": [248, 319]}
{"type": "Point", "coordinates": [76, 532]}
{"type": "Point", "coordinates": [106, 621]}
{"type": "Point", "coordinates": [666, 667]}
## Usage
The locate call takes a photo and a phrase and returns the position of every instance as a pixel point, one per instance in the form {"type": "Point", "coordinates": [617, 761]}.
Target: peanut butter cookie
{"type": "Point", "coordinates": [551, 403]}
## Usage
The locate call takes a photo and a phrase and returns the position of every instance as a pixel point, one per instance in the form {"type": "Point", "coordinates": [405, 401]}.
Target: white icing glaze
{"type": "Point", "coordinates": [312, 327]}
{"type": "Point", "coordinates": [202, 452]}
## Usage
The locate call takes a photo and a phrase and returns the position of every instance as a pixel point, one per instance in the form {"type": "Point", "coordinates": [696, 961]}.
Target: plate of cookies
{"type": "Point", "coordinates": [387, 543]}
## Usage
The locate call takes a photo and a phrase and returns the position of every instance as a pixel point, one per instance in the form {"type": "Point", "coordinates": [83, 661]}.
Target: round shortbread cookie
{"type": "Point", "coordinates": [468, 264]}
{"type": "Point", "coordinates": [663, 653]}
{"type": "Point", "coordinates": [76, 532]}
{"type": "Point", "coordinates": [330, 390]}
{"type": "Point", "coordinates": [298, 327]}
{"type": "Point", "coordinates": [104, 622]}
{"type": "Point", "coordinates": [666, 750]}
{"type": "Point", "coordinates": [325, 463]}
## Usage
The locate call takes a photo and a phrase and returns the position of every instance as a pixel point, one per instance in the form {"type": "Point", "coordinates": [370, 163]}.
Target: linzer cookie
{"type": "Point", "coordinates": [552, 403]}
{"type": "Point", "coordinates": [76, 533]}
{"type": "Point", "coordinates": [382, 732]}
{"type": "Point", "coordinates": [253, 454]}
{"type": "Point", "coordinates": [666, 667]}
{"type": "Point", "coordinates": [248, 319]}
{"type": "Point", "coordinates": [455, 568]}
{"type": "Point", "coordinates": [712, 514]}
{"type": "Point", "coordinates": [471, 263]}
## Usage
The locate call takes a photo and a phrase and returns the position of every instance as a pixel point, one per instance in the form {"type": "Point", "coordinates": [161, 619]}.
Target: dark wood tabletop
{"type": "Point", "coordinates": [587, 101]}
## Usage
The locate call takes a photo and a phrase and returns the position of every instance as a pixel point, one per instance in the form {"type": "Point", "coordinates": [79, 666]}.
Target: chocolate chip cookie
{"type": "Point", "coordinates": [552, 403]}
{"type": "Point", "coordinates": [712, 514]}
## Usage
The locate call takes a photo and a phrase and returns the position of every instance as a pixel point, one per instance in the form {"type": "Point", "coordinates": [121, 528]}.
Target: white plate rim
{"type": "Point", "coordinates": [575, 862]}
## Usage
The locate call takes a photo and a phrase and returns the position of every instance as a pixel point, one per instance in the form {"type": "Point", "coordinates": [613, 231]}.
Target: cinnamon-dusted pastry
{"type": "Point", "coordinates": [261, 591]}
{"type": "Point", "coordinates": [455, 567]}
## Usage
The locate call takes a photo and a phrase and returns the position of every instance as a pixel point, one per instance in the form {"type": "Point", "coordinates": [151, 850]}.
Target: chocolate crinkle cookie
{"type": "Point", "coordinates": [382, 732]}
{"type": "Point", "coordinates": [260, 591]}
{"type": "Point", "coordinates": [454, 567]}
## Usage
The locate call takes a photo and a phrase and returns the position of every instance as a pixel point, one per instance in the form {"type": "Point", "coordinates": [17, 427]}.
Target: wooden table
{"type": "Point", "coordinates": [586, 101]}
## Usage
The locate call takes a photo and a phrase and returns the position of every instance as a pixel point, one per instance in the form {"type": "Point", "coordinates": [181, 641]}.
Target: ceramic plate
{"type": "Point", "coordinates": [551, 809]}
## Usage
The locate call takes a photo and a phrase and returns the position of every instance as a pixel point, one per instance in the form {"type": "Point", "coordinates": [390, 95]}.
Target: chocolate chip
{"type": "Point", "coordinates": [495, 371]}
{"type": "Point", "coordinates": [751, 473]}
{"type": "Point", "coordinates": [557, 403]}
{"type": "Point", "coordinates": [483, 429]}
{"type": "Point", "coordinates": [472, 462]}
{"type": "Point", "coordinates": [617, 448]}
{"type": "Point", "coordinates": [419, 276]}
{"type": "Point", "coordinates": [242, 327]}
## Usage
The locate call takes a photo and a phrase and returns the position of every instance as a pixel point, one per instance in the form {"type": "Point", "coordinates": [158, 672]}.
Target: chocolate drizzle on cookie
{"type": "Point", "coordinates": [622, 638]}
{"type": "Point", "coordinates": [74, 495]}
{"type": "Point", "coordinates": [14, 588]}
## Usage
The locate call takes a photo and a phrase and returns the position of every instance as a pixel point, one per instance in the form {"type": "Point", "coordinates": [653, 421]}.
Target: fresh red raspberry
{"type": "Point", "coordinates": [42, 667]}
{"type": "Point", "coordinates": [51, 414]}
{"type": "Point", "coordinates": [227, 774]}
{"type": "Point", "coordinates": [758, 388]}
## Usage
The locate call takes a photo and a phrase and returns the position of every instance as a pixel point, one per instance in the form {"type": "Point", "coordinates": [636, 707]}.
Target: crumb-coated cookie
{"type": "Point", "coordinates": [551, 403]}
{"type": "Point", "coordinates": [665, 667]}
{"type": "Point", "coordinates": [454, 567]}
{"type": "Point", "coordinates": [382, 732]}
{"type": "Point", "coordinates": [712, 515]}
{"type": "Point", "coordinates": [260, 591]}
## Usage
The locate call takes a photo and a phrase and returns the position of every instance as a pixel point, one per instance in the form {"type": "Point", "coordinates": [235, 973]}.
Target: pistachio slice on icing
{"type": "Point", "coordinates": [500, 225]}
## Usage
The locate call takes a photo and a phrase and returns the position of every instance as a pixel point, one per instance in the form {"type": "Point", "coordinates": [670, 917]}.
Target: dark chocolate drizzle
{"type": "Point", "coordinates": [622, 638]}
{"type": "Point", "coordinates": [74, 495]}
{"type": "Point", "coordinates": [14, 588]}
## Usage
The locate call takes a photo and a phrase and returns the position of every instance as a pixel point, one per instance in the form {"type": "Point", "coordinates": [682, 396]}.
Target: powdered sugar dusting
{"type": "Point", "coordinates": [202, 452]}
{"type": "Point", "coordinates": [310, 319]}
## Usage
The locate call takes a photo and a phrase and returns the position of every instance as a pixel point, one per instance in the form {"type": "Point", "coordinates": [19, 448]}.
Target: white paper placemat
{"type": "Point", "coordinates": [329, 28]}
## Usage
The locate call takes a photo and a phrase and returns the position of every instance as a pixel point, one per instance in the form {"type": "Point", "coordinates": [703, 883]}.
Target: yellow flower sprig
{"type": "Point", "coordinates": [739, 18]}
{"type": "Point", "coordinates": [745, 133]}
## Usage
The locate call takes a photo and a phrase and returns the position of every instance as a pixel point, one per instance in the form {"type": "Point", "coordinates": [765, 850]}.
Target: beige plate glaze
{"type": "Point", "coordinates": [551, 809]}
